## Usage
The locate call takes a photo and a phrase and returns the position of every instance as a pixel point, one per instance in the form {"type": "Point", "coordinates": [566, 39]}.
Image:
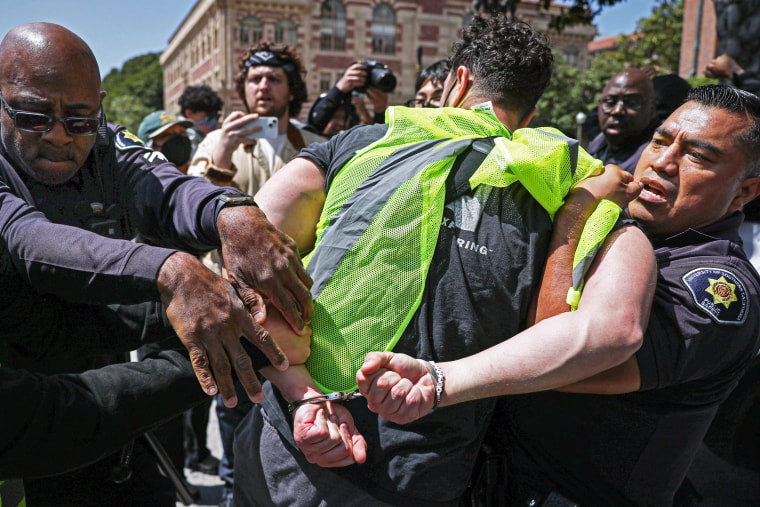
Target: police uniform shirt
{"type": "Point", "coordinates": [635, 449]}
{"type": "Point", "coordinates": [68, 271]}
{"type": "Point", "coordinates": [487, 262]}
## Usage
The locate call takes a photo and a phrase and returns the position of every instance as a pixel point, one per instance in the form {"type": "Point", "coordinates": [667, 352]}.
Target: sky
{"type": "Point", "coordinates": [119, 30]}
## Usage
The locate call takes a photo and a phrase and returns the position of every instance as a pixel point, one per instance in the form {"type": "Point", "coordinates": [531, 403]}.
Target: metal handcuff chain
{"type": "Point", "coordinates": [321, 398]}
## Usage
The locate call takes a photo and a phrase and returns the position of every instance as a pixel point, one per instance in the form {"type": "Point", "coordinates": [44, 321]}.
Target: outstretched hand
{"type": "Point", "coordinates": [613, 184]}
{"type": "Point", "coordinates": [327, 436]}
{"type": "Point", "coordinates": [261, 259]}
{"type": "Point", "coordinates": [397, 387]}
{"type": "Point", "coordinates": [210, 319]}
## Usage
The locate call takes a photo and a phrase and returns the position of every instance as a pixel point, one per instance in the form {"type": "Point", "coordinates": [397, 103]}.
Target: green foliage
{"type": "Point", "coordinates": [576, 11]}
{"type": "Point", "coordinates": [657, 44]}
{"type": "Point", "coordinates": [570, 92]}
{"type": "Point", "coordinates": [134, 91]}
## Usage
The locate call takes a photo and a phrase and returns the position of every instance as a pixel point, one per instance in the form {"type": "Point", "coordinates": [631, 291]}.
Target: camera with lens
{"type": "Point", "coordinates": [378, 76]}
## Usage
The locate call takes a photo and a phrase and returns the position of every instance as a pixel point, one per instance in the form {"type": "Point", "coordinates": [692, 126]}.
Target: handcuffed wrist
{"type": "Point", "coordinates": [321, 398]}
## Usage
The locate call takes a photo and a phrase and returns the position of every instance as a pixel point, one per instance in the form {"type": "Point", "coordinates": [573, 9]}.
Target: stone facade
{"type": "Point", "coordinates": [206, 46]}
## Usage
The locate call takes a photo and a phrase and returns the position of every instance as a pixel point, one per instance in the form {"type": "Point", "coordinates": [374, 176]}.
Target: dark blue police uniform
{"type": "Point", "coordinates": [635, 449]}
{"type": "Point", "coordinates": [66, 254]}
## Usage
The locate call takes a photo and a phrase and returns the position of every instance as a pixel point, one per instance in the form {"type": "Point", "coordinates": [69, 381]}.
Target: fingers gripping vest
{"type": "Point", "coordinates": [380, 222]}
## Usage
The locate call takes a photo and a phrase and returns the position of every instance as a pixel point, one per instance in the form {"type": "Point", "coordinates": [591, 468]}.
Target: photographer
{"type": "Point", "coordinates": [370, 77]}
{"type": "Point", "coordinates": [270, 82]}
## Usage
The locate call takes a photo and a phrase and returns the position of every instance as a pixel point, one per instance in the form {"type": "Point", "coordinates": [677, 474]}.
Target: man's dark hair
{"type": "Point", "coordinates": [286, 58]}
{"type": "Point", "coordinates": [435, 72]}
{"type": "Point", "coordinates": [510, 61]}
{"type": "Point", "coordinates": [200, 99]}
{"type": "Point", "coordinates": [739, 102]}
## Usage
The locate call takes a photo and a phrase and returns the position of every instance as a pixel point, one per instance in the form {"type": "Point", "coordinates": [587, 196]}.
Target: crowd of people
{"type": "Point", "coordinates": [379, 301]}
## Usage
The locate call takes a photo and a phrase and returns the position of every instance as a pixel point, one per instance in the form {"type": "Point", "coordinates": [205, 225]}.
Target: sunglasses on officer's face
{"type": "Point", "coordinates": [41, 123]}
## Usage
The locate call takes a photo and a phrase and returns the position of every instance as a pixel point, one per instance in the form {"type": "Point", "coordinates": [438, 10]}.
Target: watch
{"type": "Point", "coordinates": [226, 200]}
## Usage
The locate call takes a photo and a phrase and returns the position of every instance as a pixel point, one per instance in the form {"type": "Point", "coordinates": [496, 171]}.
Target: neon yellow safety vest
{"type": "Point", "coordinates": [381, 218]}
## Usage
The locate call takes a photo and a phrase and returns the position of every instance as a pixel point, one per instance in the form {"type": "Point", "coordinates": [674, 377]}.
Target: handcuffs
{"type": "Point", "coordinates": [336, 396]}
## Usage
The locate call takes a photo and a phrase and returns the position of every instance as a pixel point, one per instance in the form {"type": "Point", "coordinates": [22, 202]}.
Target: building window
{"type": "Point", "coordinates": [571, 55]}
{"type": "Point", "coordinates": [332, 26]}
{"type": "Point", "coordinates": [286, 32]}
{"type": "Point", "coordinates": [325, 82]}
{"type": "Point", "coordinates": [383, 30]}
{"type": "Point", "coordinates": [251, 31]}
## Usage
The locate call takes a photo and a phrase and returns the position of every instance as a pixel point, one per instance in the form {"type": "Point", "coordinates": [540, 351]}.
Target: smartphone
{"type": "Point", "coordinates": [268, 126]}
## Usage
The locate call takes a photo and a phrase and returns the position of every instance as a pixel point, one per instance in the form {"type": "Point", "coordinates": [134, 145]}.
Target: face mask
{"type": "Point", "coordinates": [177, 150]}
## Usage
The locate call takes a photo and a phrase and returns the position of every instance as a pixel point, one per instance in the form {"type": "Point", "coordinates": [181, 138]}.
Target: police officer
{"type": "Point", "coordinates": [701, 167]}
{"type": "Point", "coordinates": [63, 164]}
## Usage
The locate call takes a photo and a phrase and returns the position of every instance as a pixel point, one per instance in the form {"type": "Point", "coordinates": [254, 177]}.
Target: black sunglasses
{"type": "Point", "coordinates": [41, 123]}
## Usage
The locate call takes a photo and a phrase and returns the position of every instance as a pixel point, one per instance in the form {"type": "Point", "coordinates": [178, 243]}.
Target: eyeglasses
{"type": "Point", "coordinates": [41, 123]}
{"type": "Point", "coordinates": [629, 102]}
{"type": "Point", "coordinates": [431, 102]}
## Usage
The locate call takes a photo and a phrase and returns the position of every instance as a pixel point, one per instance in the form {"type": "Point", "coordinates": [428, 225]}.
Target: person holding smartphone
{"type": "Point", "coordinates": [250, 146]}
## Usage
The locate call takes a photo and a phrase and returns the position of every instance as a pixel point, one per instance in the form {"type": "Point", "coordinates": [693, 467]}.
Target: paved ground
{"type": "Point", "coordinates": [719, 483]}
{"type": "Point", "coordinates": [209, 486]}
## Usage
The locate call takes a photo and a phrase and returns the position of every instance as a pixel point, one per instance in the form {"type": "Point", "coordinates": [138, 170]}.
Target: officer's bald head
{"type": "Point", "coordinates": [51, 49]}
{"type": "Point", "coordinates": [47, 70]}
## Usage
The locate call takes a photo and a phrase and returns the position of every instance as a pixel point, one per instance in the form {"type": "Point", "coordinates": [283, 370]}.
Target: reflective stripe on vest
{"type": "Point", "coordinates": [12, 494]}
{"type": "Point", "coordinates": [382, 215]}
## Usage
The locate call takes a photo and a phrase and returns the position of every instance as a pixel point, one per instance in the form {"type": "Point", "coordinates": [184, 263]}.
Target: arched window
{"type": "Point", "coordinates": [571, 55]}
{"type": "Point", "coordinates": [383, 30]}
{"type": "Point", "coordinates": [332, 26]}
{"type": "Point", "coordinates": [251, 31]}
{"type": "Point", "coordinates": [286, 32]}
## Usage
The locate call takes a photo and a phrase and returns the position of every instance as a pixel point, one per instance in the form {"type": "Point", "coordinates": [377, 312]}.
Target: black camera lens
{"type": "Point", "coordinates": [383, 79]}
{"type": "Point", "coordinates": [378, 76]}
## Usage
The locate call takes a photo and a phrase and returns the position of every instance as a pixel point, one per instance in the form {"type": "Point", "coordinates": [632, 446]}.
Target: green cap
{"type": "Point", "coordinates": [158, 122]}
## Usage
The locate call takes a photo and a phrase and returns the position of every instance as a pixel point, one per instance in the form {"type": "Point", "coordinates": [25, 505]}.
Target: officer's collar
{"type": "Point", "coordinates": [726, 229]}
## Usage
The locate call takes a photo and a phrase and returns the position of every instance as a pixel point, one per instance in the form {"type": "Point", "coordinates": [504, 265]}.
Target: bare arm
{"type": "Point", "coordinates": [292, 200]}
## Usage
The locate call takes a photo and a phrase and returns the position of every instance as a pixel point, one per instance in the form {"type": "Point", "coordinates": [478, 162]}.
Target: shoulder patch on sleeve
{"type": "Point", "coordinates": [719, 293]}
{"type": "Point", "coordinates": [126, 140]}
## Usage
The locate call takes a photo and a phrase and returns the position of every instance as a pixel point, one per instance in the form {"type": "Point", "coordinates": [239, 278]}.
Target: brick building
{"type": "Point", "coordinates": [699, 39]}
{"type": "Point", "coordinates": [330, 34]}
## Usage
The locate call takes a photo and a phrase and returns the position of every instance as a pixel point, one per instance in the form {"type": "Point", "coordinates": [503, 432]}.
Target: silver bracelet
{"type": "Point", "coordinates": [440, 379]}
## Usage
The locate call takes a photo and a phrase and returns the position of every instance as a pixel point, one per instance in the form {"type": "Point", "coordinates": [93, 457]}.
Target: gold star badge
{"type": "Point", "coordinates": [722, 291]}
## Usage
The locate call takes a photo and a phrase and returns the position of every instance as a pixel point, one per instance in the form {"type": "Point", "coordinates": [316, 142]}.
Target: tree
{"type": "Point", "coordinates": [574, 12]}
{"type": "Point", "coordinates": [656, 43]}
{"type": "Point", "coordinates": [134, 91]}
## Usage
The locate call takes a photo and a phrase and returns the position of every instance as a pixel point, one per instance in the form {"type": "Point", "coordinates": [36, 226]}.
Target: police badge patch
{"type": "Point", "coordinates": [718, 293]}
{"type": "Point", "coordinates": [127, 140]}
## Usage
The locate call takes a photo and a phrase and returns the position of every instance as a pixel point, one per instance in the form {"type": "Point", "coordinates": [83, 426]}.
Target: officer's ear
{"type": "Point", "coordinates": [103, 94]}
{"type": "Point", "coordinates": [748, 190]}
